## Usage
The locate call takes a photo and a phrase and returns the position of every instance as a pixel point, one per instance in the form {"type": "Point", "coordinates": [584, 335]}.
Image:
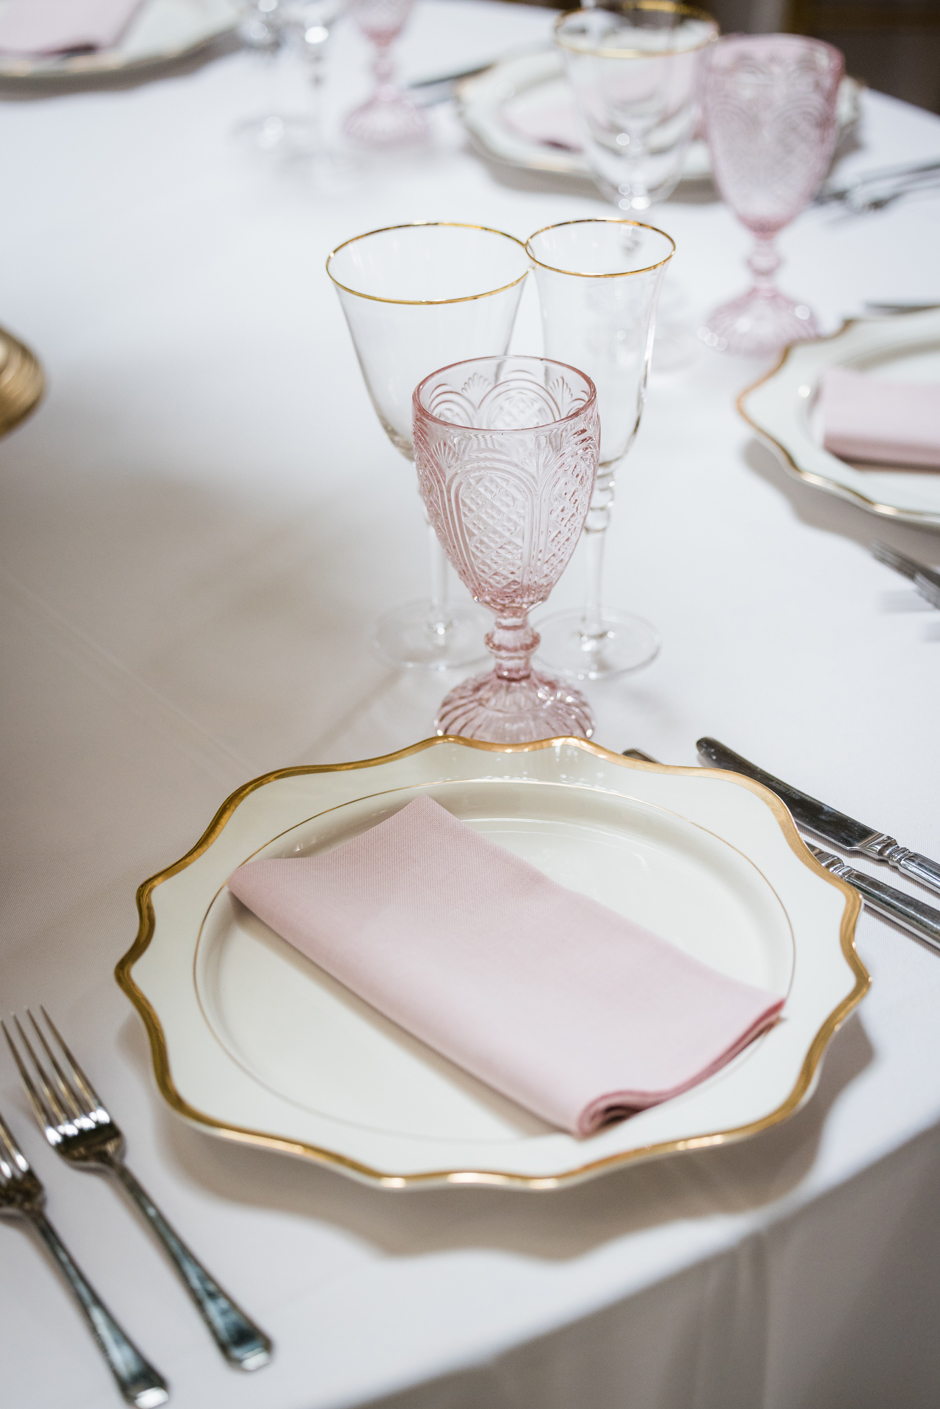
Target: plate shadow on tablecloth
{"type": "Point", "coordinates": [556, 1224]}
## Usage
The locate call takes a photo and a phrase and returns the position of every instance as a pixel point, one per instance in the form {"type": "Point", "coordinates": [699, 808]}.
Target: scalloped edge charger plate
{"type": "Point", "coordinates": [254, 1043]}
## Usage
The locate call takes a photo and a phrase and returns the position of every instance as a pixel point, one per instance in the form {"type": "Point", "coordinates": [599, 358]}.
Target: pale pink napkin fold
{"type": "Point", "coordinates": [60, 26]}
{"type": "Point", "coordinates": [546, 995]}
{"type": "Point", "coordinates": [553, 124]}
{"type": "Point", "coordinates": [886, 423]}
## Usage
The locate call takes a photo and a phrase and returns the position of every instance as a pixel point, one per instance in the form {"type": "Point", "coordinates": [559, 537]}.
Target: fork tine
{"type": "Point", "coordinates": [81, 1080]}
{"type": "Point", "coordinates": [893, 559]}
{"type": "Point", "coordinates": [68, 1092]}
{"type": "Point", "coordinates": [10, 1152]}
{"type": "Point", "coordinates": [44, 1114]}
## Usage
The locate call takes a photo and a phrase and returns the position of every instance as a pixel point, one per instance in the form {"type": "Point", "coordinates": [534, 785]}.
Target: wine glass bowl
{"type": "Point", "coordinates": [598, 283]}
{"type": "Point", "coordinates": [506, 453]}
{"type": "Point", "coordinates": [388, 118]}
{"type": "Point", "coordinates": [417, 297]}
{"type": "Point", "coordinates": [770, 115]}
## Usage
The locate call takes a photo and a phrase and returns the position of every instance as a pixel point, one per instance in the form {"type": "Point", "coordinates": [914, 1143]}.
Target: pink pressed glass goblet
{"type": "Point", "coordinates": [770, 118]}
{"type": "Point", "coordinates": [388, 118]}
{"type": "Point", "coordinates": [506, 451]}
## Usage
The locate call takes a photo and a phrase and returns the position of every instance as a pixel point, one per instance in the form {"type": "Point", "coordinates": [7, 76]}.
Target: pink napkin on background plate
{"type": "Point", "coordinates": [887, 423]}
{"type": "Point", "coordinates": [553, 124]}
{"type": "Point", "coordinates": [60, 26]}
{"type": "Point", "coordinates": [544, 994]}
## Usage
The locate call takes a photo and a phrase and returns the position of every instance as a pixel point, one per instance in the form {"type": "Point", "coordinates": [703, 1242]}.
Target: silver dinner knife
{"type": "Point", "coordinates": [923, 920]}
{"type": "Point", "coordinates": [823, 821]}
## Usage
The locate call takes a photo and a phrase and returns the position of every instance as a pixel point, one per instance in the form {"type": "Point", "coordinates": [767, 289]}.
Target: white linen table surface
{"type": "Point", "coordinates": [199, 526]}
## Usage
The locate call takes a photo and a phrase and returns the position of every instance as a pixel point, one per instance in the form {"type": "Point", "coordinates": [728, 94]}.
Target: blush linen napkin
{"type": "Point", "coordinates": [63, 26]}
{"type": "Point", "coordinates": [881, 422]}
{"type": "Point", "coordinates": [546, 995]}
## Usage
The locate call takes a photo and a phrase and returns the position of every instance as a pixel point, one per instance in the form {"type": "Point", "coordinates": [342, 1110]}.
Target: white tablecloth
{"type": "Point", "coordinates": [198, 528]}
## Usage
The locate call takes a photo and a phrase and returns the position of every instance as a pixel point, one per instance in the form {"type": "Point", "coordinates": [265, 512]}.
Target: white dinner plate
{"type": "Point", "coordinates": [161, 30]}
{"type": "Point", "coordinates": [523, 84]}
{"type": "Point", "coordinates": [783, 408]}
{"type": "Point", "coordinates": [254, 1042]}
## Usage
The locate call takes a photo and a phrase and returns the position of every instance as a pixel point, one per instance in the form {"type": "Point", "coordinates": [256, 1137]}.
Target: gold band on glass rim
{"type": "Point", "coordinates": [686, 12]}
{"type": "Point", "coordinates": [505, 1179]}
{"type": "Point", "coordinates": [416, 225]}
{"type": "Point", "coordinates": [600, 220]}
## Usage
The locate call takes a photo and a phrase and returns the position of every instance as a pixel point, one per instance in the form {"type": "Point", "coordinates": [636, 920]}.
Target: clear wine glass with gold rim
{"type": "Point", "coordinates": [418, 297]}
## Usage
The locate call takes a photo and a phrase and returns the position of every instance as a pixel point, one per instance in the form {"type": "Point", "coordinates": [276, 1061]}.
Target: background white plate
{"type": "Point", "coordinates": [161, 30]}
{"type": "Point", "coordinates": [264, 1046]}
{"type": "Point", "coordinates": [782, 408]}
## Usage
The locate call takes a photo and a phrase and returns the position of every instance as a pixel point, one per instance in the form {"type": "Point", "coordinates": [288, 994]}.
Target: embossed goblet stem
{"type": "Point", "coordinates": [389, 118]}
{"type": "Point", "coordinates": [506, 453]}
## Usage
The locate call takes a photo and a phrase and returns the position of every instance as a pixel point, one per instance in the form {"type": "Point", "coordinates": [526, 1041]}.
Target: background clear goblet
{"type": "Point", "coordinates": [506, 451]}
{"type": "Point", "coordinates": [418, 297]}
{"type": "Point", "coordinates": [770, 116]}
{"type": "Point", "coordinates": [633, 69]}
{"type": "Point", "coordinates": [598, 282]}
{"type": "Point", "coordinates": [388, 118]}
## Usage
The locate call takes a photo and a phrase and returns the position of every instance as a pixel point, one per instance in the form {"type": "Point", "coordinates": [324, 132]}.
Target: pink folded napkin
{"type": "Point", "coordinates": [887, 423]}
{"type": "Point", "coordinates": [552, 124]}
{"type": "Point", "coordinates": [548, 996]}
{"type": "Point", "coordinates": [61, 26]}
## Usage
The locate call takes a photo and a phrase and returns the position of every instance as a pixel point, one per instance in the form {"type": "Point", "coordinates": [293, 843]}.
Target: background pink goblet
{"type": "Point", "coordinates": [388, 118]}
{"type": "Point", "coordinates": [770, 118]}
{"type": "Point", "coordinates": [506, 451]}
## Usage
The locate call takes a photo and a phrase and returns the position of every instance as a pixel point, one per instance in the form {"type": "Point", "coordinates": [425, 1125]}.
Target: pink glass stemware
{"type": "Point", "coordinates": [388, 118]}
{"type": "Point", "coordinates": [770, 116]}
{"type": "Point", "coordinates": [506, 450]}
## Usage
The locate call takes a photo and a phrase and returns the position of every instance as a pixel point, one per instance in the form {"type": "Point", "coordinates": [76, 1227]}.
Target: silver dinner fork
{"type": "Point", "coordinates": [73, 1119]}
{"type": "Point", "coordinates": [23, 1196]}
{"type": "Point", "coordinates": [925, 579]}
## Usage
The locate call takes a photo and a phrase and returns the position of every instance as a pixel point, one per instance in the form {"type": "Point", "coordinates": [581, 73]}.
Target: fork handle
{"type": "Point", "coordinates": [242, 1343]}
{"type": "Point", "coordinates": [138, 1381]}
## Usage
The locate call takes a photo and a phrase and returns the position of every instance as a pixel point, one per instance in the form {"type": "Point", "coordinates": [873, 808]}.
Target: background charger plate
{"type": "Point", "coordinates": [783, 408]}
{"type": "Point", "coordinates": [255, 1043]}
{"type": "Point", "coordinates": [523, 82]}
{"type": "Point", "coordinates": [161, 30]}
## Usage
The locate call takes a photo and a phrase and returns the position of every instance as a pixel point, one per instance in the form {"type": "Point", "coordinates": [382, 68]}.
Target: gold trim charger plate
{"type": "Point", "coordinates": [254, 1043]}
{"type": "Point", "coordinates": [518, 87]}
{"type": "Point", "coordinates": [161, 30]}
{"type": "Point", "coordinates": [783, 407]}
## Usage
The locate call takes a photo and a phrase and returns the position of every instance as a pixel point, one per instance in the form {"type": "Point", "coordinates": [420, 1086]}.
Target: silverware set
{"type": "Point", "coordinates": [873, 190]}
{"type": "Point", "coordinates": [824, 822]}
{"type": "Point", "coordinates": [925, 579]}
{"type": "Point", "coordinates": [76, 1124]}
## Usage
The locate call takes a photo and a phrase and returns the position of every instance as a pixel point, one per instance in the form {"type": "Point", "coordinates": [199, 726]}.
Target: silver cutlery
{"type": "Point", "coordinates": [428, 91]}
{"type": "Point", "coordinates": [74, 1121]}
{"type": "Point", "coordinates": [909, 305]}
{"type": "Point", "coordinates": [913, 915]}
{"type": "Point", "coordinates": [22, 1196]}
{"type": "Point", "coordinates": [925, 579]}
{"type": "Point", "coordinates": [873, 190]}
{"type": "Point", "coordinates": [923, 920]}
{"type": "Point", "coordinates": [823, 821]}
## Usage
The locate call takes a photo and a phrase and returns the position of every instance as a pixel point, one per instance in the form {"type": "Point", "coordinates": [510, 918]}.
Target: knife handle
{"type": "Point", "coordinates": [907, 863]}
{"type": "Point", "coordinates": [912, 914]}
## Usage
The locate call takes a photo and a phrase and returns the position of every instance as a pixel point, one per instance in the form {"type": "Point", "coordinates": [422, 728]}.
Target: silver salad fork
{"type": "Point", "coordinates": [22, 1196]}
{"type": "Point", "coordinates": [74, 1121]}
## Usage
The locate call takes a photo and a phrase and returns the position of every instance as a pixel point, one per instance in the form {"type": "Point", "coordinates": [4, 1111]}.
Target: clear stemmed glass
{"type": "Point", "coordinates": [271, 27]}
{"type": "Point", "coordinates": [632, 66]}
{"type": "Point", "coordinates": [506, 451]}
{"type": "Point", "coordinates": [770, 113]}
{"type": "Point", "coordinates": [418, 297]}
{"type": "Point", "coordinates": [388, 118]}
{"type": "Point", "coordinates": [598, 282]}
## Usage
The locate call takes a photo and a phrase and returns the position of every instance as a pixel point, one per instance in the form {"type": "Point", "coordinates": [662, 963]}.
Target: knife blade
{"type": "Point", "coordinates": [823, 821]}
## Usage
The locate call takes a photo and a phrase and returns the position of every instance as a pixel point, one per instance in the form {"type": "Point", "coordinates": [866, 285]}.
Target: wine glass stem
{"type": "Point", "coordinates": [595, 529]}
{"type": "Point", "coordinates": [438, 621]}
{"type": "Point", "coordinates": [315, 99]}
{"type": "Point", "coordinates": [763, 262]}
{"type": "Point", "coordinates": [512, 642]}
{"type": "Point", "coordinates": [383, 69]}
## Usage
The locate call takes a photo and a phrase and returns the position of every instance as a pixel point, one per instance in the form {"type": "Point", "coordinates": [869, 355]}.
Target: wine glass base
{"type": "Point", "coordinates": [405, 637]}
{"type": "Point", "coordinates": [626, 642]}
{"type": "Point", "coordinates": [515, 711]}
{"type": "Point", "coordinates": [758, 324]}
{"type": "Point", "coordinates": [393, 121]}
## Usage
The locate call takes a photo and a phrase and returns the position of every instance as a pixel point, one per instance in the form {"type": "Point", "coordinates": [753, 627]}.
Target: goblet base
{"type": "Point", "coordinates": [502, 711]}
{"type": "Point", "coordinates": [392, 121]}
{"type": "Point", "coordinates": [758, 324]}
{"type": "Point", "coordinates": [408, 636]}
{"type": "Point", "coordinates": [625, 642]}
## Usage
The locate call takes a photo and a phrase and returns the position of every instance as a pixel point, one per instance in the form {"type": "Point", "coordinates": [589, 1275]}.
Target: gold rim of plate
{"type": "Point", "coordinates": [22, 382]}
{"type": "Point", "coordinates": [390, 1180]}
